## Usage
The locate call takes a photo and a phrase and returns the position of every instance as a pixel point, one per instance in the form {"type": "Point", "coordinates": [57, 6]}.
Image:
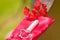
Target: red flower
{"type": "Point", "coordinates": [26, 11]}
{"type": "Point", "coordinates": [38, 10]}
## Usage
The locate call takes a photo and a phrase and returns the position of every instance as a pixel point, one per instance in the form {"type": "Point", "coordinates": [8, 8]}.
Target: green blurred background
{"type": "Point", "coordinates": [11, 14]}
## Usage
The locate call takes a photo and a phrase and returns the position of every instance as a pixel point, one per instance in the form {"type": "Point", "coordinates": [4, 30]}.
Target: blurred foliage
{"type": "Point", "coordinates": [11, 14]}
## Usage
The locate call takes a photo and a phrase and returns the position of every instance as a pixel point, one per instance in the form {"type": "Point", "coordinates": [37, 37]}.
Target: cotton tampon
{"type": "Point", "coordinates": [32, 26]}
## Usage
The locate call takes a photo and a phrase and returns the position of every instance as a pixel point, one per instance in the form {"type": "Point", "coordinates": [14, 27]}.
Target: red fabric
{"type": "Point", "coordinates": [40, 28]}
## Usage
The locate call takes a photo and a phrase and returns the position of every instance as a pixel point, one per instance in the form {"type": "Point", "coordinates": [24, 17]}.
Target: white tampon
{"type": "Point", "coordinates": [32, 26]}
